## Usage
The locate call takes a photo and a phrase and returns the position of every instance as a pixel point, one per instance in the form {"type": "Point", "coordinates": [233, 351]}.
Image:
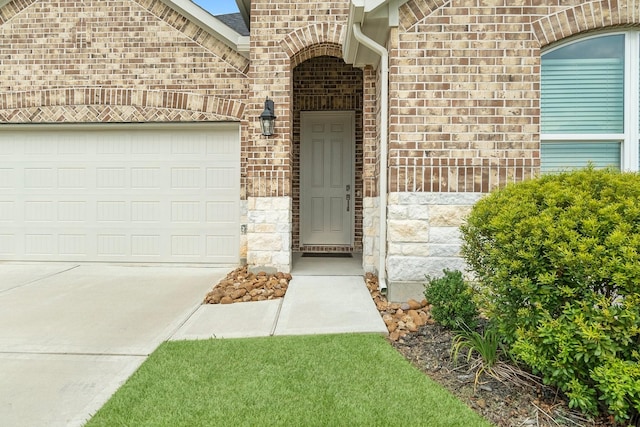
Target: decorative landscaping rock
{"type": "Point", "coordinates": [401, 319]}
{"type": "Point", "coordinates": [243, 286]}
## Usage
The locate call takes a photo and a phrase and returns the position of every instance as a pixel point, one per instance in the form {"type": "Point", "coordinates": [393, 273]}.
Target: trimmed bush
{"type": "Point", "coordinates": [452, 300]}
{"type": "Point", "coordinates": [559, 257]}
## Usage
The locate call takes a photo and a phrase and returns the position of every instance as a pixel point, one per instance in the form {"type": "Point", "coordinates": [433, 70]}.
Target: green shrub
{"type": "Point", "coordinates": [452, 300]}
{"type": "Point", "coordinates": [559, 257]}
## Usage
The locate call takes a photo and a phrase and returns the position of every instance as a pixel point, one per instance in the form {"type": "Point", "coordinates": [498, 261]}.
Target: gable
{"type": "Point", "coordinates": [121, 44]}
{"type": "Point", "coordinates": [53, 43]}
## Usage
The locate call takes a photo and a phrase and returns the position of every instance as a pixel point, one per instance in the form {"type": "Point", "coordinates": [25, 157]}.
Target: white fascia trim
{"type": "Point", "coordinates": [369, 15]}
{"type": "Point", "coordinates": [368, 5]}
{"type": "Point", "coordinates": [212, 25]}
{"type": "Point", "coordinates": [244, 6]}
{"type": "Point", "coordinates": [632, 103]}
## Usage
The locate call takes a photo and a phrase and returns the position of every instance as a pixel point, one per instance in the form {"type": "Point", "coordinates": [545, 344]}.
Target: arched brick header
{"type": "Point", "coordinates": [323, 49]}
{"type": "Point", "coordinates": [124, 105]}
{"type": "Point", "coordinates": [415, 11]}
{"type": "Point", "coordinates": [321, 34]}
{"type": "Point", "coordinates": [584, 17]}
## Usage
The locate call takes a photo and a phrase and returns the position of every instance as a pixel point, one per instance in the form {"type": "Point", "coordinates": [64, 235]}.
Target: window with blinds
{"type": "Point", "coordinates": [562, 156]}
{"type": "Point", "coordinates": [583, 105]}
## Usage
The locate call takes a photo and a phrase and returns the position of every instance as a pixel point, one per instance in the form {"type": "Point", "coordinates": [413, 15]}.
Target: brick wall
{"type": "Point", "coordinates": [465, 87]}
{"type": "Point", "coordinates": [464, 99]}
{"type": "Point", "coordinates": [113, 61]}
{"type": "Point", "coordinates": [284, 33]}
{"type": "Point", "coordinates": [465, 114]}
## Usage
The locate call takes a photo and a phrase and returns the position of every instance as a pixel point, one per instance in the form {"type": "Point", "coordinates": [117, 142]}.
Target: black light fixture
{"type": "Point", "coordinates": [268, 118]}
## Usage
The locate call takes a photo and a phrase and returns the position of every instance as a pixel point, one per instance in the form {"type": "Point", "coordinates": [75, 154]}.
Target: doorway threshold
{"type": "Point", "coordinates": [327, 255]}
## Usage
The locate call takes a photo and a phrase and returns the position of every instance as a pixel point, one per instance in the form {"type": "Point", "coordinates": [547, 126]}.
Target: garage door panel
{"type": "Point", "coordinates": [39, 211]}
{"type": "Point", "coordinates": [7, 245]}
{"type": "Point", "coordinates": [43, 244]}
{"type": "Point", "coordinates": [7, 212]}
{"type": "Point", "coordinates": [217, 245]}
{"type": "Point", "coordinates": [72, 178]}
{"type": "Point", "coordinates": [7, 177]}
{"type": "Point", "coordinates": [73, 245]}
{"type": "Point", "coordinates": [39, 178]}
{"type": "Point", "coordinates": [126, 195]}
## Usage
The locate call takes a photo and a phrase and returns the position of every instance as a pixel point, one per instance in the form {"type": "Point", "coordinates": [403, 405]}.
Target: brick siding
{"type": "Point", "coordinates": [284, 34]}
{"type": "Point", "coordinates": [465, 87]}
{"type": "Point", "coordinates": [114, 61]}
{"type": "Point", "coordinates": [464, 84]}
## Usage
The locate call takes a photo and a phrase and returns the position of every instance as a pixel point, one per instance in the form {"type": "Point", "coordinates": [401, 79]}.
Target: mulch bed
{"type": "Point", "coordinates": [505, 404]}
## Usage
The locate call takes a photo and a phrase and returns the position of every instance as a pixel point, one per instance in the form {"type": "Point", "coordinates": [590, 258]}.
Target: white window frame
{"type": "Point", "coordinates": [630, 139]}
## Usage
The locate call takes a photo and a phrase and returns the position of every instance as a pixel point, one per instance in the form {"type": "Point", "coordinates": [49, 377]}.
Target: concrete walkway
{"type": "Point", "coordinates": [312, 305]}
{"type": "Point", "coordinates": [315, 303]}
{"type": "Point", "coordinates": [71, 334]}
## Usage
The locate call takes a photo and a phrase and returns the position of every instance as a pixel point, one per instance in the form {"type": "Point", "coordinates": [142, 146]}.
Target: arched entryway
{"type": "Point", "coordinates": [328, 115]}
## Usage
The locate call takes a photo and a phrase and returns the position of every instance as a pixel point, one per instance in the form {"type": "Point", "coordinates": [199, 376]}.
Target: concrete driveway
{"type": "Point", "coordinates": [71, 334]}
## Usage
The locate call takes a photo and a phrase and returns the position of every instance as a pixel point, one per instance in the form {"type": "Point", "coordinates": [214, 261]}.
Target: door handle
{"type": "Point", "coordinates": [348, 201]}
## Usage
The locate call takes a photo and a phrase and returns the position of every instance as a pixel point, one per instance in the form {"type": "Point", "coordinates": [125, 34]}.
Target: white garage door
{"type": "Point", "coordinates": [125, 194]}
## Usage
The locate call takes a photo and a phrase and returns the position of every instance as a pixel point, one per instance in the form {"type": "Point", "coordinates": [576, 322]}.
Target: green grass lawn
{"type": "Point", "coordinates": [330, 380]}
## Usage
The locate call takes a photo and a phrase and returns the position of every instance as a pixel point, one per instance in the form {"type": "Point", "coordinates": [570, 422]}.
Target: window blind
{"type": "Point", "coordinates": [581, 95]}
{"type": "Point", "coordinates": [561, 156]}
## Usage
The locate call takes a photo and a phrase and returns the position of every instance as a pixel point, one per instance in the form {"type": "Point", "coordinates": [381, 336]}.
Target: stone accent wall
{"type": "Point", "coordinates": [269, 232]}
{"type": "Point", "coordinates": [423, 237]}
{"type": "Point", "coordinates": [371, 233]}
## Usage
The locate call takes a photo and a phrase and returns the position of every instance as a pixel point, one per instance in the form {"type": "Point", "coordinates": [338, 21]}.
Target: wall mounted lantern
{"type": "Point", "coordinates": [267, 118]}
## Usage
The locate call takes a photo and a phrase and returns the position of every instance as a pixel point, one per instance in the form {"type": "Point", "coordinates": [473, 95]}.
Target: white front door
{"type": "Point", "coordinates": [326, 178]}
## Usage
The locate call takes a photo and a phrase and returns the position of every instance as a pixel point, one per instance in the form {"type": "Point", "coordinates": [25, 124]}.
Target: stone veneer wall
{"type": "Point", "coordinates": [423, 238]}
{"type": "Point", "coordinates": [269, 232]}
{"type": "Point", "coordinates": [370, 234]}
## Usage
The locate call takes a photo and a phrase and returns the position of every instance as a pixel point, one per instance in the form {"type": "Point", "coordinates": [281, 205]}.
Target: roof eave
{"type": "Point", "coordinates": [244, 6]}
{"type": "Point", "coordinates": [375, 18]}
{"type": "Point", "coordinates": [212, 25]}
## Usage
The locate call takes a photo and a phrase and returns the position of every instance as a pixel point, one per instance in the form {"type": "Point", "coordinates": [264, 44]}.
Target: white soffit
{"type": "Point", "coordinates": [375, 18]}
